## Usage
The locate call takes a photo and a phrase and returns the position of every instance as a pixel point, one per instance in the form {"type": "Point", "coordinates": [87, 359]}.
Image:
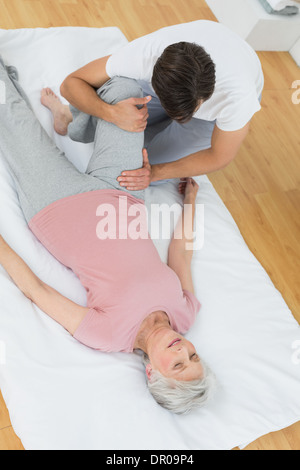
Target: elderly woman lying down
{"type": "Point", "coordinates": [134, 300]}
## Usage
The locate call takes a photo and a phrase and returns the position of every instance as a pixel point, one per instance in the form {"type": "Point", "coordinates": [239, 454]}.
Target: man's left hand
{"type": "Point", "coordinates": [137, 180]}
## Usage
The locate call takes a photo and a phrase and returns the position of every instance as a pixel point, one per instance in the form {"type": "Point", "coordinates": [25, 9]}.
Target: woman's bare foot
{"type": "Point", "coordinates": [61, 113]}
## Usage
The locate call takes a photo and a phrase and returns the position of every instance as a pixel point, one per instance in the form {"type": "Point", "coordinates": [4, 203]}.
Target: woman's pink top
{"type": "Point", "coordinates": [123, 275]}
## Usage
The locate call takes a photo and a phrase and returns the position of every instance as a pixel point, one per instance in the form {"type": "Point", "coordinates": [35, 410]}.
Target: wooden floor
{"type": "Point", "coordinates": [261, 188]}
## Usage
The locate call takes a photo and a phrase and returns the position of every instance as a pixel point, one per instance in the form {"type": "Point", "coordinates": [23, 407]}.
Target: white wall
{"type": "Point", "coordinates": [263, 31]}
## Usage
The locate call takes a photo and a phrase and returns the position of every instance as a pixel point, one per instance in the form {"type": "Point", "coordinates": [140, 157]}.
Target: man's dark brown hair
{"type": "Point", "coordinates": [183, 77]}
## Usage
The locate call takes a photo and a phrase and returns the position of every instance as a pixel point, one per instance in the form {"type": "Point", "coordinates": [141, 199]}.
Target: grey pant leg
{"type": "Point", "coordinates": [158, 119]}
{"type": "Point", "coordinates": [83, 127]}
{"type": "Point", "coordinates": [166, 140]}
{"type": "Point", "coordinates": [115, 150]}
{"type": "Point", "coordinates": [176, 141]}
{"type": "Point", "coordinates": [42, 172]}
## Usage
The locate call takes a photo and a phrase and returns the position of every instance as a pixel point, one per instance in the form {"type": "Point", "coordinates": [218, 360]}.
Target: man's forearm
{"type": "Point", "coordinates": [84, 97]}
{"type": "Point", "coordinates": [196, 164]}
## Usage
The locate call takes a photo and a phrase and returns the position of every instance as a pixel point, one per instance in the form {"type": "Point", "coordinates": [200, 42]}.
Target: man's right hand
{"type": "Point", "coordinates": [128, 116]}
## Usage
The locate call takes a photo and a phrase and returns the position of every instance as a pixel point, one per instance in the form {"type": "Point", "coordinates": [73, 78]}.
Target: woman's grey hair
{"type": "Point", "coordinates": [181, 397]}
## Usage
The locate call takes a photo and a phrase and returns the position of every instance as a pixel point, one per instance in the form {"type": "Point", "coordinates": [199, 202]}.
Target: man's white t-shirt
{"type": "Point", "coordinates": [239, 76]}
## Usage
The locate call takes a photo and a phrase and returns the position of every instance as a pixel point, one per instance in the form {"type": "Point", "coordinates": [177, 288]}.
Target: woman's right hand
{"type": "Point", "coordinates": [189, 188]}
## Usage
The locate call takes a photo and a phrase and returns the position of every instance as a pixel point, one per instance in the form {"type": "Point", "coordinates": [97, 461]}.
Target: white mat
{"type": "Point", "coordinates": [62, 395]}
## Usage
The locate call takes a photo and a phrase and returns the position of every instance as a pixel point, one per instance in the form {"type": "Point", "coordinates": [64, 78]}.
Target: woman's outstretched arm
{"type": "Point", "coordinates": [59, 308]}
{"type": "Point", "coordinates": [180, 253]}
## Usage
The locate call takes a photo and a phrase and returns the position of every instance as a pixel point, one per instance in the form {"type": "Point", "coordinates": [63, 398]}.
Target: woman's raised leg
{"type": "Point", "coordinates": [114, 149]}
{"type": "Point", "coordinates": [42, 172]}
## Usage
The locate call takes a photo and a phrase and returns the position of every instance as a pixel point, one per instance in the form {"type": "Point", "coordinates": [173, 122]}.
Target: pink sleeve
{"type": "Point", "coordinates": [192, 307]}
{"type": "Point", "coordinates": [95, 330]}
{"type": "Point", "coordinates": [192, 301]}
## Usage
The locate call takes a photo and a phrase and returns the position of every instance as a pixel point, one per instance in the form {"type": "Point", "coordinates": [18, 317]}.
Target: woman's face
{"type": "Point", "coordinates": [174, 357]}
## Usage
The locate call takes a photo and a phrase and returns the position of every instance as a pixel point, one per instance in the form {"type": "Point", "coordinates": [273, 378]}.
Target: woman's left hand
{"type": "Point", "coordinates": [137, 180]}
